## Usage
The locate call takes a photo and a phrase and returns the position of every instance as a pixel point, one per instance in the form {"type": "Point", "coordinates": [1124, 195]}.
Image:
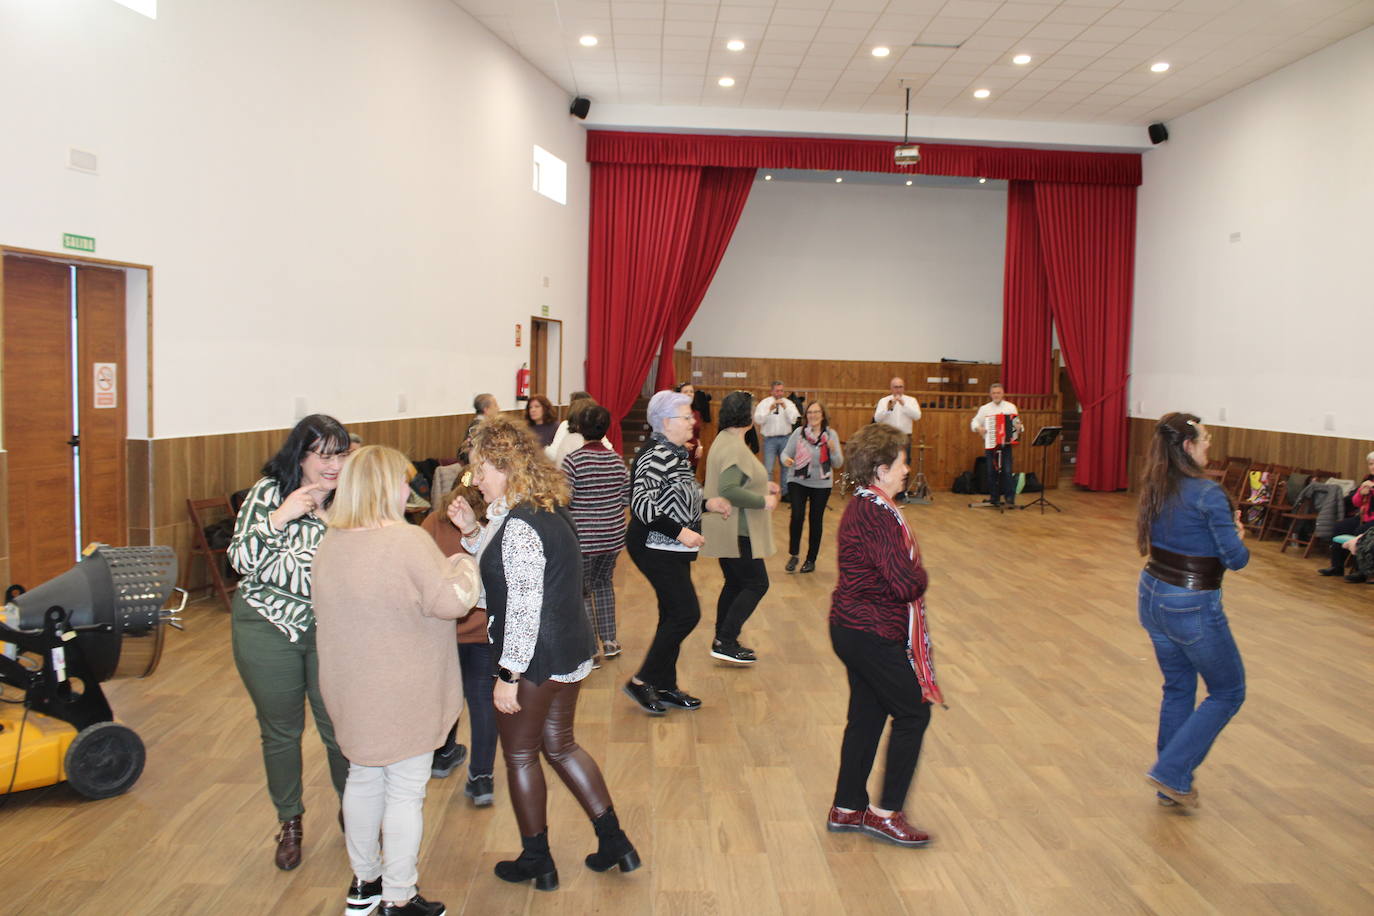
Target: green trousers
{"type": "Point", "coordinates": [281, 676]}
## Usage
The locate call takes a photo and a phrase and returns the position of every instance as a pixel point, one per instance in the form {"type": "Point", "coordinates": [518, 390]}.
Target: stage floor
{"type": "Point", "coordinates": [1031, 782]}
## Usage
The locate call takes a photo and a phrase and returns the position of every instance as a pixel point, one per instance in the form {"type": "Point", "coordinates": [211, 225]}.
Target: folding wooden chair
{"type": "Point", "coordinates": [214, 557]}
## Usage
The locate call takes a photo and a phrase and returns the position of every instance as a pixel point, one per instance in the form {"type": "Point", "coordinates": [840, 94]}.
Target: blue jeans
{"type": "Point", "coordinates": [772, 452]}
{"type": "Point", "coordinates": [1191, 637]}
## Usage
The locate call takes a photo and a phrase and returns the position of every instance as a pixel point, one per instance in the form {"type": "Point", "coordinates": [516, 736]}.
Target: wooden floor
{"type": "Point", "coordinates": [1031, 782]}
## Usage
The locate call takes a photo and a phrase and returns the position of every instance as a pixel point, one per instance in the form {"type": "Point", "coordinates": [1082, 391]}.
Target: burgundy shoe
{"type": "Point", "coordinates": [894, 829]}
{"type": "Point", "coordinates": [840, 821]}
{"type": "Point", "coordinates": [288, 854]}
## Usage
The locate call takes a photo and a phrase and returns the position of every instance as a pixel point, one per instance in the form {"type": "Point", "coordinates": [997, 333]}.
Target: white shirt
{"type": "Point", "coordinates": [776, 422]}
{"type": "Point", "coordinates": [991, 410]}
{"type": "Point", "coordinates": [900, 415]}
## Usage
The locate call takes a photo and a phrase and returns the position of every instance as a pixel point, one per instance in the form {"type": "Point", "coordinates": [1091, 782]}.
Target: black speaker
{"type": "Point", "coordinates": [1158, 133]}
{"type": "Point", "coordinates": [581, 106]}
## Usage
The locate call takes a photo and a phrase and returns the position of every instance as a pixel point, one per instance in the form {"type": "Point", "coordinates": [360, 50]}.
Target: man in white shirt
{"type": "Point", "coordinates": [899, 410]}
{"type": "Point", "coordinates": [997, 447]}
{"type": "Point", "coordinates": [775, 416]}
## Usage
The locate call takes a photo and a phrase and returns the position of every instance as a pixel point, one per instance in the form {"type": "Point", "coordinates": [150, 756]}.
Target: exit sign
{"type": "Point", "coordinates": [78, 242]}
{"type": "Point", "coordinates": [544, 310]}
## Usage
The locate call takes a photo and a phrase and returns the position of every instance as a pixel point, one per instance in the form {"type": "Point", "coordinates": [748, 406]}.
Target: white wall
{"type": "Point", "coordinates": [1277, 327]}
{"type": "Point", "coordinates": [335, 196]}
{"type": "Point", "coordinates": [859, 271]}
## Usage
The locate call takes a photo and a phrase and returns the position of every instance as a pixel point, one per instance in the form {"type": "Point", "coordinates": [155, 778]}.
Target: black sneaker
{"type": "Point", "coordinates": [415, 906]}
{"type": "Point", "coordinates": [480, 790]}
{"type": "Point", "coordinates": [677, 698]}
{"type": "Point", "coordinates": [446, 759]}
{"type": "Point", "coordinates": [733, 652]}
{"type": "Point", "coordinates": [363, 896]}
{"type": "Point", "coordinates": [645, 697]}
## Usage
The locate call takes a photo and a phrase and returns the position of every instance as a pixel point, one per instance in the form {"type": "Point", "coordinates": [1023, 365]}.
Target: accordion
{"type": "Point", "coordinates": [1000, 429]}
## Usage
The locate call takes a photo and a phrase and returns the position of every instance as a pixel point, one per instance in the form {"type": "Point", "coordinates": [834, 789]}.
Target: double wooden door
{"type": "Point", "coordinates": [64, 413]}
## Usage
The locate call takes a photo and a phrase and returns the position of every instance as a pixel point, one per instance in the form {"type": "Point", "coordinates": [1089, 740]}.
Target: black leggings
{"type": "Point", "coordinates": [545, 723]}
{"type": "Point", "coordinates": [746, 582]}
{"type": "Point", "coordinates": [800, 496]}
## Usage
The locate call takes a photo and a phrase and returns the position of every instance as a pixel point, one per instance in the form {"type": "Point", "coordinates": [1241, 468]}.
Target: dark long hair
{"type": "Point", "coordinates": [316, 432]}
{"type": "Point", "coordinates": [1165, 464]}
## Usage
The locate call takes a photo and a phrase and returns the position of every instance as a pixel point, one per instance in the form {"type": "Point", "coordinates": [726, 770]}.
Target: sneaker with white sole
{"type": "Point", "coordinates": [481, 790]}
{"type": "Point", "coordinates": [363, 896]}
{"type": "Point", "coordinates": [733, 652]}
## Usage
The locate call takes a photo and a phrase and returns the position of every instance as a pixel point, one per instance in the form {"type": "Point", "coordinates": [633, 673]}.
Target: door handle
{"type": "Point", "coordinates": [74, 441]}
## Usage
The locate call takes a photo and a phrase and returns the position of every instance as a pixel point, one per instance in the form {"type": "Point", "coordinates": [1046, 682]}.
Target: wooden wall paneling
{"type": "Point", "coordinates": [4, 515]}
{"type": "Point", "coordinates": [871, 376]}
{"type": "Point", "coordinates": [1345, 456]}
{"type": "Point", "coordinates": [138, 457]}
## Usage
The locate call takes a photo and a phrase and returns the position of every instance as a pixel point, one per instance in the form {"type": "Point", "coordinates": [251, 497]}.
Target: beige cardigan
{"type": "Point", "coordinates": [385, 603]}
{"type": "Point", "coordinates": [722, 534]}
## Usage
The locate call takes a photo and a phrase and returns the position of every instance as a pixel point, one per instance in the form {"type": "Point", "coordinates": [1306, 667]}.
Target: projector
{"type": "Point", "coordinates": [907, 155]}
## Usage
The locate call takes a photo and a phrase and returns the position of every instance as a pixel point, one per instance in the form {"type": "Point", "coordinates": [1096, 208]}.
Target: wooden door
{"type": "Point", "coordinates": [100, 336]}
{"type": "Point", "coordinates": [38, 419]}
{"type": "Point", "coordinates": [539, 356]}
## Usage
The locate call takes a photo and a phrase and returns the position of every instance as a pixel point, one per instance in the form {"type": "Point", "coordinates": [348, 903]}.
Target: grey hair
{"type": "Point", "coordinates": [776, 383]}
{"type": "Point", "coordinates": [1369, 457]}
{"type": "Point", "coordinates": [663, 405]}
{"type": "Point", "coordinates": [479, 403]}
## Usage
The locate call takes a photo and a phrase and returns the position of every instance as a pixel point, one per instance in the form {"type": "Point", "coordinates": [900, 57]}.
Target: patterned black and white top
{"type": "Point", "coordinates": [275, 565]}
{"type": "Point", "coordinates": [664, 494]}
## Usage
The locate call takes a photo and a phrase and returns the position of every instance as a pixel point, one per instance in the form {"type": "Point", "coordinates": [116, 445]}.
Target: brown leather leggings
{"type": "Point", "coordinates": [545, 723]}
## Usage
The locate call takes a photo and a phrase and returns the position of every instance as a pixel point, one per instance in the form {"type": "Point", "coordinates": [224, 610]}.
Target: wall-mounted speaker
{"type": "Point", "coordinates": [1158, 133]}
{"type": "Point", "coordinates": [581, 106]}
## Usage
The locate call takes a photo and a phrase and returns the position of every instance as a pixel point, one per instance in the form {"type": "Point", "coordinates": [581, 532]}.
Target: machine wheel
{"type": "Point", "coordinates": [104, 760]}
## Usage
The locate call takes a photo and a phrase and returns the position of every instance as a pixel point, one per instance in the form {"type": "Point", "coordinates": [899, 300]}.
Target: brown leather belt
{"type": "Point", "coordinates": [1200, 574]}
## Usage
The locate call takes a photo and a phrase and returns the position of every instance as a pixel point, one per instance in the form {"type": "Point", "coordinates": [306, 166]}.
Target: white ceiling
{"type": "Point", "coordinates": [1090, 63]}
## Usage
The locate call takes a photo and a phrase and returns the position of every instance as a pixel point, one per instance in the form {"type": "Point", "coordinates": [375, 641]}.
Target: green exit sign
{"type": "Point", "coordinates": [544, 310]}
{"type": "Point", "coordinates": [78, 242]}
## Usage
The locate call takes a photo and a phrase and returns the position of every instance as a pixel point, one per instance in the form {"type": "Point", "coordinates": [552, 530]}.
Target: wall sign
{"type": "Point", "coordinates": [105, 391]}
{"type": "Point", "coordinates": [517, 335]}
{"type": "Point", "coordinates": [78, 242]}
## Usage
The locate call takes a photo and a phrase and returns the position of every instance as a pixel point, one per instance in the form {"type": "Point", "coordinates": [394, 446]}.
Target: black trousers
{"type": "Point", "coordinates": [746, 582]}
{"type": "Point", "coordinates": [670, 573]}
{"type": "Point", "coordinates": [1351, 525]}
{"type": "Point", "coordinates": [1003, 484]}
{"type": "Point", "coordinates": [808, 503]}
{"type": "Point", "coordinates": [882, 684]}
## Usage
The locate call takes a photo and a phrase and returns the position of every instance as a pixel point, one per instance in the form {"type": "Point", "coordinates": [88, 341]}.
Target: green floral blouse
{"type": "Point", "coordinates": [275, 565]}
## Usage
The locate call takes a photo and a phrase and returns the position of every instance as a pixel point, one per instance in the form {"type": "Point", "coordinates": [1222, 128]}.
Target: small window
{"type": "Point", "coordinates": [550, 175]}
{"type": "Point", "coordinates": [146, 7]}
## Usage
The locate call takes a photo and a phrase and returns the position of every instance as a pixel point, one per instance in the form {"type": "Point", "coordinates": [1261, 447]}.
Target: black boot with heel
{"type": "Point", "coordinates": [614, 848]}
{"type": "Point", "coordinates": [534, 862]}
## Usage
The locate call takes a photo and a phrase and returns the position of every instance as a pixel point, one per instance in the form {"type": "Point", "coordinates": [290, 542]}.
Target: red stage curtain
{"type": "Point", "coordinates": [1026, 338]}
{"type": "Point", "coordinates": [720, 200]}
{"type": "Point", "coordinates": [1009, 163]}
{"type": "Point", "coordinates": [641, 220]}
{"type": "Point", "coordinates": [1087, 236]}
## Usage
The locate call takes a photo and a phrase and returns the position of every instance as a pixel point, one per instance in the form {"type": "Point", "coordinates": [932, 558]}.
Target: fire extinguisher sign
{"type": "Point", "coordinates": [517, 335]}
{"type": "Point", "coordinates": [105, 390]}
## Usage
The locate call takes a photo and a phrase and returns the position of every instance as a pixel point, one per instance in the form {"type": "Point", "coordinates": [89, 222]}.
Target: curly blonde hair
{"type": "Point", "coordinates": [511, 448]}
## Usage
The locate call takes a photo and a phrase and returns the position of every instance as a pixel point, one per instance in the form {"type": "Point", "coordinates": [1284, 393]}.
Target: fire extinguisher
{"type": "Point", "coordinates": [522, 383]}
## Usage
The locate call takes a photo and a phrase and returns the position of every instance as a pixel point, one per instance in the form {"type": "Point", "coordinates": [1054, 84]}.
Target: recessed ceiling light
{"type": "Point", "coordinates": [881, 51]}
{"type": "Point", "coordinates": [908, 182]}
{"type": "Point", "coordinates": [726, 81]}
{"type": "Point", "coordinates": [767, 177]}
{"type": "Point", "coordinates": [734, 44]}
{"type": "Point", "coordinates": [1159, 67]}
{"type": "Point", "coordinates": [587, 41]}
{"type": "Point", "coordinates": [981, 93]}
{"type": "Point", "coordinates": [838, 180]}
{"type": "Point", "coordinates": [1021, 59]}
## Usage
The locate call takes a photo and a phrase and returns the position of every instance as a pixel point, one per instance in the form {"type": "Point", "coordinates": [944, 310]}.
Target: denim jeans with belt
{"type": "Point", "coordinates": [1191, 638]}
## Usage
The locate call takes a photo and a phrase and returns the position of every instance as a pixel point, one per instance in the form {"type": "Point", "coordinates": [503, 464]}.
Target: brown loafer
{"type": "Point", "coordinates": [1186, 799]}
{"type": "Point", "coordinates": [289, 844]}
{"type": "Point", "coordinates": [893, 829]}
{"type": "Point", "coordinates": [838, 821]}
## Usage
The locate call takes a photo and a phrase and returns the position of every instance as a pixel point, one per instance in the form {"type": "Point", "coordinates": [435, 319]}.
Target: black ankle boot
{"type": "Point", "coordinates": [534, 862]}
{"type": "Point", "coordinates": [614, 847]}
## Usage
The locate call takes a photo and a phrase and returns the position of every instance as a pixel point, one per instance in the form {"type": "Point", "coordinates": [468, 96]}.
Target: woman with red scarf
{"type": "Point", "coordinates": [878, 629]}
{"type": "Point", "coordinates": [812, 453]}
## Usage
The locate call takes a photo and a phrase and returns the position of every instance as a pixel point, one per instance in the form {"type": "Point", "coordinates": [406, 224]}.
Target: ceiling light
{"type": "Point", "coordinates": [981, 93]}
{"type": "Point", "coordinates": [1021, 59]}
{"type": "Point", "coordinates": [881, 51]}
{"type": "Point", "coordinates": [908, 182]}
{"type": "Point", "coordinates": [734, 44]}
{"type": "Point", "coordinates": [587, 41]}
{"type": "Point", "coordinates": [1159, 67]}
{"type": "Point", "coordinates": [767, 177]}
{"type": "Point", "coordinates": [982, 181]}
{"type": "Point", "coordinates": [838, 180]}
{"type": "Point", "coordinates": [726, 81]}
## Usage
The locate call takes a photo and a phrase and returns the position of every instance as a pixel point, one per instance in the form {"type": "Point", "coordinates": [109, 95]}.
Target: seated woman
{"type": "Point", "coordinates": [542, 642]}
{"type": "Point", "coordinates": [1358, 523]}
{"type": "Point", "coordinates": [385, 603]}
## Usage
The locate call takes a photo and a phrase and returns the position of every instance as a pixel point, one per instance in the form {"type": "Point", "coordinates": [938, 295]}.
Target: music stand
{"type": "Point", "coordinates": [1044, 439]}
{"type": "Point", "coordinates": [919, 494]}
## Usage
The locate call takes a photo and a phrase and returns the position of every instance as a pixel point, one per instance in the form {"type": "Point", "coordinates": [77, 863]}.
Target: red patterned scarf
{"type": "Point", "coordinates": [918, 636]}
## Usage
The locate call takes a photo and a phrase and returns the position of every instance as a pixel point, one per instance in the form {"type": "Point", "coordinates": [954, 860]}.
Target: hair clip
{"type": "Point", "coordinates": [1192, 422]}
